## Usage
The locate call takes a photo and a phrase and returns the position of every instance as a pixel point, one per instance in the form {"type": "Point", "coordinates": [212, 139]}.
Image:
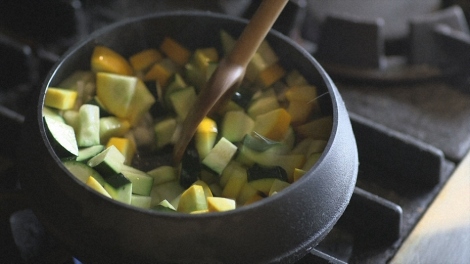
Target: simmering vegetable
{"type": "Point", "coordinates": [114, 126]}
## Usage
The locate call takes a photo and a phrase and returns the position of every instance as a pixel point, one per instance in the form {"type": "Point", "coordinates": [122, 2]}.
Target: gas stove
{"type": "Point", "coordinates": [405, 86]}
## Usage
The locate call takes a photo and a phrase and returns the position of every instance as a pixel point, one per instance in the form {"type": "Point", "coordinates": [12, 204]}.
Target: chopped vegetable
{"type": "Point", "coordinates": [125, 115]}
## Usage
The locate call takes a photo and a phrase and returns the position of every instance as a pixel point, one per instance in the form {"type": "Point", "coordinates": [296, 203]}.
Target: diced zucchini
{"type": "Point", "coordinates": [235, 125]}
{"type": "Point", "coordinates": [119, 187]}
{"type": "Point", "coordinates": [59, 98]}
{"type": "Point", "coordinates": [220, 204]}
{"type": "Point", "coordinates": [262, 185]}
{"type": "Point", "coordinates": [298, 173]}
{"type": "Point", "coordinates": [116, 92]}
{"type": "Point", "coordinates": [256, 172]}
{"type": "Point", "coordinates": [62, 137]}
{"type": "Point", "coordinates": [233, 167]}
{"type": "Point", "coordinates": [72, 118]}
{"type": "Point", "coordinates": [205, 137]}
{"type": "Point", "coordinates": [192, 199]}
{"type": "Point", "coordinates": [287, 161]}
{"type": "Point", "coordinates": [247, 192]}
{"type": "Point", "coordinates": [125, 146]}
{"type": "Point", "coordinates": [89, 127]}
{"type": "Point", "coordinates": [95, 185]}
{"type": "Point", "coordinates": [87, 153]}
{"type": "Point", "coordinates": [205, 187]}
{"type": "Point", "coordinates": [164, 131]}
{"type": "Point", "coordinates": [52, 113]}
{"type": "Point", "coordinates": [220, 155]}
{"type": "Point", "coordinates": [263, 105]}
{"type": "Point", "coordinates": [112, 126]}
{"type": "Point", "coordinates": [273, 125]}
{"type": "Point", "coordinates": [82, 171]}
{"type": "Point", "coordinates": [140, 104]}
{"type": "Point", "coordinates": [164, 206]}
{"type": "Point", "coordinates": [141, 201]}
{"type": "Point", "coordinates": [278, 186]}
{"type": "Point", "coordinates": [166, 191]}
{"type": "Point", "coordinates": [141, 182]}
{"type": "Point", "coordinates": [182, 101]}
{"type": "Point", "coordinates": [163, 174]}
{"type": "Point", "coordinates": [235, 184]}
{"type": "Point", "coordinates": [108, 162]}
{"type": "Point", "coordinates": [319, 128]}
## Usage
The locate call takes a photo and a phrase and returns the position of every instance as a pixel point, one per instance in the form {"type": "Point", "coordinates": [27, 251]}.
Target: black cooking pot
{"type": "Point", "coordinates": [282, 228]}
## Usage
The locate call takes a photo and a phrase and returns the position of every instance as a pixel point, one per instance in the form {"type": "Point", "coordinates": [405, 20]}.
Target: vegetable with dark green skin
{"type": "Point", "coordinates": [190, 166]}
{"type": "Point", "coordinates": [257, 172]}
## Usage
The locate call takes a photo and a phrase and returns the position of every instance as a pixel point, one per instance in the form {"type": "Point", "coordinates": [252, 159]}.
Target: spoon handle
{"type": "Point", "coordinates": [256, 30]}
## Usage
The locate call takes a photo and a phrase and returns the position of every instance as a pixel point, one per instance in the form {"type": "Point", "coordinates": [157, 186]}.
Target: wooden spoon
{"type": "Point", "coordinates": [230, 72]}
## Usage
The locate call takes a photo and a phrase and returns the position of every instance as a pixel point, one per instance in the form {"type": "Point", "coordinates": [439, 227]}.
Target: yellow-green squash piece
{"type": "Point", "coordinates": [220, 204]}
{"type": "Point", "coordinates": [192, 199]}
{"type": "Point", "coordinates": [116, 92]}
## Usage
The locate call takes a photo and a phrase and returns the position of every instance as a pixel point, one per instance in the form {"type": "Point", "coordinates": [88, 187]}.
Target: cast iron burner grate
{"type": "Point", "coordinates": [403, 165]}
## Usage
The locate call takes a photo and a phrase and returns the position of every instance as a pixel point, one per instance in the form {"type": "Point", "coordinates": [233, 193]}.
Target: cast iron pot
{"type": "Point", "coordinates": [282, 228]}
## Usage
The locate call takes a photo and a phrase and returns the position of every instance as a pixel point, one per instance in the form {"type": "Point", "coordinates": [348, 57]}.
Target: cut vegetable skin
{"type": "Point", "coordinates": [271, 74]}
{"type": "Point", "coordinates": [246, 193]}
{"type": "Point", "coordinates": [52, 113]}
{"type": "Point", "coordinates": [141, 182]}
{"type": "Point", "coordinates": [278, 186]}
{"type": "Point", "coordinates": [166, 191]}
{"type": "Point", "coordinates": [89, 127]}
{"type": "Point", "coordinates": [235, 184]}
{"type": "Point", "coordinates": [164, 131]}
{"type": "Point", "coordinates": [108, 162]}
{"type": "Point", "coordinates": [317, 129]}
{"type": "Point", "coordinates": [262, 185]}
{"type": "Point", "coordinates": [235, 125]}
{"type": "Point", "coordinates": [265, 103]}
{"type": "Point", "coordinates": [87, 153]}
{"type": "Point", "coordinates": [220, 155]}
{"type": "Point", "coordinates": [112, 126]}
{"type": "Point", "coordinates": [82, 171]}
{"type": "Point", "coordinates": [105, 59]}
{"type": "Point", "coordinates": [287, 161]}
{"type": "Point", "coordinates": [192, 199]}
{"type": "Point", "coordinates": [182, 101]}
{"type": "Point", "coordinates": [58, 98]}
{"type": "Point", "coordinates": [141, 201]}
{"type": "Point", "coordinates": [119, 187]}
{"type": "Point", "coordinates": [205, 136]}
{"type": "Point", "coordinates": [163, 174]}
{"type": "Point", "coordinates": [125, 146]}
{"type": "Point", "coordinates": [95, 185]}
{"type": "Point", "coordinates": [205, 187]}
{"type": "Point", "coordinates": [161, 71]}
{"type": "Point", "coordinates": [273, 125]}
{"type": "Point", "coordinates": [220, 204]}
{"type": "Point", "coordinates": [175, 51]}
{"type": "Point", "coordinates": [140, 104]}
{"type": "Point", "coordinates": [298, 173]}
{"type": "Point", "coordinates": [72, 118]}
{"type": "Point", "coordinates": [62, 137]}
{"type": "Point", "coordinates": [115, 92]}
{"type": "Point", "coordinates": [144, 59]}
